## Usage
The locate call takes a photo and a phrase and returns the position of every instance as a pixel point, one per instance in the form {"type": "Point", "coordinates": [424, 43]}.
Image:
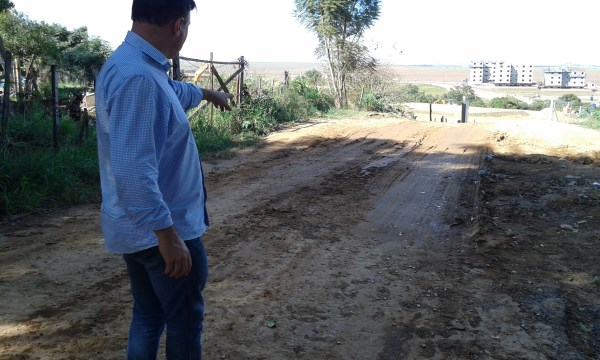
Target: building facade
{"type": "Point", "coordinates": [500, 73]}
{"type": "Point", "coordinates": [564, 78]}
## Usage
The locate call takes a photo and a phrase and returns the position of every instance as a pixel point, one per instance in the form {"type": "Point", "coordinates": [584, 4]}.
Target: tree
{"type": "Point", "coordinates": [38, 44]}
{"type": "Point", "coordinates": [314, 76]}
{"type": "Point", "coordinates": [573, 100]}
{"type": "Point", "coordinates": [30, 42]}
{"type": "Point", "coordinates": [340, 26]}
{"type": "Point", "coordinates": [5, 5]}
{"type": "Point", "coordinates": [457, 94]}
{"type": "Point", "coordinates": [86, 54]}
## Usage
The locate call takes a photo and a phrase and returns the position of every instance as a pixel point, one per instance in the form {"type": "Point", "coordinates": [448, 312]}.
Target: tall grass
{"type": "Point", "coordinates": [259, 115]}
{"type": "Point", "coordinates": [593, 119]}
{"type": "Point", "coordinates": [34, 177]}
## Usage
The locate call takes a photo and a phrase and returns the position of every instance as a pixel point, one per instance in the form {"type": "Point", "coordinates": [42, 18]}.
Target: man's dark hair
{"type": "Point", "coordinates": [160, 12]}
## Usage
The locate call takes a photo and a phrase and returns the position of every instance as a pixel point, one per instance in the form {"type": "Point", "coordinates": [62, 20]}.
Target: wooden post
{"type": "Point", "coordinates": [430, 111]}
{"type": "Point", "coordinates": [176, 68]}
{"type": "Point", "coordinates": [241, 83]}
{"type": "Point", "coordinates": [55, 112]}
{"type": "Point", "coordinates": [83, 126]}
{"type": "Point", "coordinates": [212, 85]}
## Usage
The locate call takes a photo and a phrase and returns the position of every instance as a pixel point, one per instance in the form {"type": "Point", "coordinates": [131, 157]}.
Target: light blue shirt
{"type": "Point", "coordinates": [150, 170]}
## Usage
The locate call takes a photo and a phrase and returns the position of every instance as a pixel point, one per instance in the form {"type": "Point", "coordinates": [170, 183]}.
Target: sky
{"type": "Point", "coordinates": [409, 32]}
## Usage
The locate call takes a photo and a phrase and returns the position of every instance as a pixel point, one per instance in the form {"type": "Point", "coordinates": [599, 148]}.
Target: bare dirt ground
{"type": "Point", "coordinates": [365, 238]}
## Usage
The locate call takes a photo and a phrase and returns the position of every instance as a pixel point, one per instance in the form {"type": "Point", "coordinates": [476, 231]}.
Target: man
{"type": "Point", "coordinates": [153, 196]}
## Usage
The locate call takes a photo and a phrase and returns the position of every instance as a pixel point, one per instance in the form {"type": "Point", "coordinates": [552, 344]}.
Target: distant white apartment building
{"type": "Point", "coordinates": [564, 78]}
{"type": "Point", "coordinates": [500, 73]}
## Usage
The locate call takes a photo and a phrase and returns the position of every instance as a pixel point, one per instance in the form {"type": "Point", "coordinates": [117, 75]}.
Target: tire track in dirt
{"type": "Point", "coordinates": [313, 278]}
{"type": "Point", "coordinates": [414, 206]}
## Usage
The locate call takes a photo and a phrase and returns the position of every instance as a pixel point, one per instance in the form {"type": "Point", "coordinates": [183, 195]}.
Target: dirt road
{"type": "Point", "coordinates": [365, 238]}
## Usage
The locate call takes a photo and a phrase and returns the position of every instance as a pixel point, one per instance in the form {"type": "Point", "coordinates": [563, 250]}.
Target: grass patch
{"type": "Point", "coordinates": [432, 90]}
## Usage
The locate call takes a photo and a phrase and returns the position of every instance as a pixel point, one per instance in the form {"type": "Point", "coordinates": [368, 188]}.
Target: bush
{"type": "Point", "coordinates": [35, 178]}
{"type": "Point", "coordinates": [508, 102]}
{"type": "Point", "coordinates": [572, 99]}
{"type": "Point", "coordinates": [411, 93]}
{"type": "Point", "coordinates": [593, 118]}
{"type": "Point", "coordinates": [317, 101]}
{"type": "Point", "coordinates": [478, 103]}
{"type": "Point", "coordinates": [370, 102]}
{"type": "Point", "coordinates": [539, 105]}
{"type": "Point", "coordinates": [458, 93]}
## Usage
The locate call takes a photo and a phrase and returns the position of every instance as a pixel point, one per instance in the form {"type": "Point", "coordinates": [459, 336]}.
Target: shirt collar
{"type": "Point", "coordinates": [148, 49]}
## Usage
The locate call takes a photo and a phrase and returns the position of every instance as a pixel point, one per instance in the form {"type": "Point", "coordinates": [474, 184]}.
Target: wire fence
{"type": "Point", "coordinates": [564, 112]}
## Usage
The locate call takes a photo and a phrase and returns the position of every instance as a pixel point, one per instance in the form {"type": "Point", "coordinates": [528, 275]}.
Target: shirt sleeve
{"type": "Point", "coordinates": [139, 121]}
{"type": "Point", "coordinates": [189, 94]}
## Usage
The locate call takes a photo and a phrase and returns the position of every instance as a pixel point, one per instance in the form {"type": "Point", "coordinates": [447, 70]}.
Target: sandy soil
{"type": "Point", "coordinates": [365, 238]}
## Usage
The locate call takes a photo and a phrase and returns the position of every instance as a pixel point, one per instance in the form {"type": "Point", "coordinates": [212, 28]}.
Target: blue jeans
{"type": "Point", "coordinates": [160, 300]}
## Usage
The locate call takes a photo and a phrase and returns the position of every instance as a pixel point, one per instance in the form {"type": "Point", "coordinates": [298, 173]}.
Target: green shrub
{"type": "Point", "coordinates": [411, 93]}
{"type": "Point", "coordinates": [458, 93]}
{"type": "Point", "coordinates": [539, 105]}
{"type": "Point", "coordinates": [317, 101]}
{"type": "Point", "coordinates": [508, 102]}
{"type": "Point", "coordinates": [478, 103]}
{"type": "Point", "coordinates": [593, 118]}
{"type": "Point", "coordinates": [37, 178]}
{"type": "Point", "coordinates": [572, 99]}
{"type": "Point", "coordinates": [370, 102]}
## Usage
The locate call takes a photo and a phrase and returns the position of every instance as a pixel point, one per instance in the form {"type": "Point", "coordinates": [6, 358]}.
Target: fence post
{"type": "Point", "coordinates": [430, 111]}
{"type": "Point", "coordinates": [83, 126]}
{"type": "Point", "coordinates": [241, 83]}
{"type": "Point", "coordinates": [212, 85]}
{"type": "Point", "coordinates": [55, 112]}
{"type": "Point", "coordinates": [176, 68]}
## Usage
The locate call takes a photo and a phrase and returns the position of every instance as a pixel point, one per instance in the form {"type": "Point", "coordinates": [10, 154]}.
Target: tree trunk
{"type": "Point", "coordinates": [5, 101]}
{"type": "Point", "coordinates": [333, 83]}
{"type": "Point", "coordinates": [343, 95]}
{"type": "Point", "coordinates": [55, 114]}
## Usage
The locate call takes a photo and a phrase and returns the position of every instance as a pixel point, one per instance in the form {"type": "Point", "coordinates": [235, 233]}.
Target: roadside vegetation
{"type": "Point", "coordinates": [35, 175]}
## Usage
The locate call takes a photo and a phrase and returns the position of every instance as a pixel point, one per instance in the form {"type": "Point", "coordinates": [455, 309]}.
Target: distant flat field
{"type": "Point", "coordinates": [404, 73]}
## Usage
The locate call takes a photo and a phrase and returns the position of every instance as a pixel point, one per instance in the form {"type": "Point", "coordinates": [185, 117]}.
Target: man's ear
{"type": "Point", "coordinates": [177, 25]}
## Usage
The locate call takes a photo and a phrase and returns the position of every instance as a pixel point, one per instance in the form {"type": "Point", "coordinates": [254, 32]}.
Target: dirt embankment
{"type": "Point", "coordinates": [364, 238]}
